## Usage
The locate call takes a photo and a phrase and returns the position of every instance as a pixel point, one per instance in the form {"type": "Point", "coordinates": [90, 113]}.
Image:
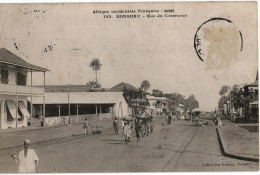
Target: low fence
{"type": "Point", "coordinates": [75, 119]}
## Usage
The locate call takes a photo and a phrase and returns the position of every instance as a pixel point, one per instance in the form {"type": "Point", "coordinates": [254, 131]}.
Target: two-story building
{"type": "Point", "coordinates": [14, 91]}
{"type": "Point", "coordinates": [251, 101]}
{"type": "Point", "coordinates": [136, 100]}
{"type": "Point", "coordinates": [159, 105]}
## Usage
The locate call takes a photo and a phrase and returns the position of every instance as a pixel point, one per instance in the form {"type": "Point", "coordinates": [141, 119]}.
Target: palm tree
{"type": "Point", "coordinates": [145, 85]}
{"type": "Point", "coordinates": [93, 84]}
{"type": "Point", "coordinates": [95, 65]}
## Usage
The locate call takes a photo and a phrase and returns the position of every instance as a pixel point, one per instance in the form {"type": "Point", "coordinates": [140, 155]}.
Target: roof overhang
{"type": "Point", "coordinates": [40, 69]}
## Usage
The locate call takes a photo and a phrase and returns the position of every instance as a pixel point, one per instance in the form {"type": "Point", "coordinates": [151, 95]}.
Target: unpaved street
{"type": "Point", "coordinates": [176, 147]}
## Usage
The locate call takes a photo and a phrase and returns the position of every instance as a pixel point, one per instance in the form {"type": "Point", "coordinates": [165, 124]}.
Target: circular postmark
{"type": "Point", "coordinates": [218, 42]}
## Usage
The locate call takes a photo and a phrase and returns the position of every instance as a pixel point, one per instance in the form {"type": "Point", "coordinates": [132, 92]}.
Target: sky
{"type": "Point", "coordinates": [65, 37]}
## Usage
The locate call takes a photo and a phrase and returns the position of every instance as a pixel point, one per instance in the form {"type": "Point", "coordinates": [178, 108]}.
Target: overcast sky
{"type": "Point", "coordinates": [159, 50]}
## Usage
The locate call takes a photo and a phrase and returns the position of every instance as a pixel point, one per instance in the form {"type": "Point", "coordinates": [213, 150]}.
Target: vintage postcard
{"type": "Point", "coordinates": [129, 87]}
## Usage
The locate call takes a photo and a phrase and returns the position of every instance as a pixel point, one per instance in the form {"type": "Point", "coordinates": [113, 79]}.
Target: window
{"type": "Point", "coordinates": [21, 79]}
{"type": "Point", "coordinates": [4, 76]}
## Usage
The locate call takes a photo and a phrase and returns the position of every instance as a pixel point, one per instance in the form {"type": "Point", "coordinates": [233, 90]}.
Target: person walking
{"type": "Point", "coordinates": [85, 126]}
{"type": "Point", "coordinates": [219, 121]}
{"type": "Point", "coordinates": [115, 126]}
{"type": "Point", "coordinates": [127, 131]}
{"type": "Point", "coordinates": [169, 120]}
{"type": "Point", "coordinates": [144, 126]}
{"type": "Point", "coordinates": [138, 127]}
{"type": "Point", "coordinates": [27, 159]}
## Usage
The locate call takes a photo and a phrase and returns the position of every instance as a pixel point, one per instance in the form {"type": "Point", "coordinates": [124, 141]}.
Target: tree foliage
{"type": "Point", "coordinates": [191, 103]}
{"type": "Point", "coordinates": [157, 93]}
{"type": "Point", "coordinates": [224, 89]}
{"type": "Point", "coordinates": [178, 98]}
{"type": "Point", "coordinates": [145, 85]}
{"type": "Point", "coordinates": [93, 84]}
{"type": "Point", "coordinates": [95, 65]}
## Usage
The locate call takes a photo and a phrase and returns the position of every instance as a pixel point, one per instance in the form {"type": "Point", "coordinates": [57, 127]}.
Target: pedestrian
{"type": "Point", "coordinates": [144, 126]}
{"type": "Point", "coordinates": [174, 117]}
{"type": "Point", "coordinates": [148, 126]}
{"type": "Point", "coordinates": [85, 126]}
{"type": "Point", "coordinates": [169, 119]}
{"type": "Point", "coordinates": [219, 121]}
{"type": "Point", "coordinates": [115, 125]}
{"type": "Point", "coordinates": [27, 159]}
{"type": "Point", "coordinates": [127, 131]}
{"type": "Point", "coordinates": [151, 123]}
{"type": "Point", "coordinates": [138, 127]}
{"type": "Point", "coordinates": [123, 124]}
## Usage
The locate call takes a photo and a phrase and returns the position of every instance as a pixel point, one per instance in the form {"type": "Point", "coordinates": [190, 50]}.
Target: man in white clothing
{"type": "Point", "coordinates": [27, 159]}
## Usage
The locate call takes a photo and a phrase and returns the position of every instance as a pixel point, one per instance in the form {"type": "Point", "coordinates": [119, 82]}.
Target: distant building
{"type": "Point", "coordinates": [136, 100]}
{"type": "Point", "coordinates": [159, 105]}
{"type": "Point", "coordinates": [251, 100]}
{"type": "Point", "coordinates": [14, 89]}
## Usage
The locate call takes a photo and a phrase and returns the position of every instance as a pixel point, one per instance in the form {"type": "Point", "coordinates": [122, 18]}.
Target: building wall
{"type": "Point", "coordinates": [12, 74]}
{"type": "Point", "coordinates": [4, 124]}
{"type": "Point", "coordinates": [121, 108]}
{"type": "Point", "coordinates": [65, 120]}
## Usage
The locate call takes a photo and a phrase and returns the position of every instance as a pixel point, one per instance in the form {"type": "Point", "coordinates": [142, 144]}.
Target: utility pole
{"type": "Point", "coordinates": [69, 101]}
{"type": "Point", "coordinates": [16, 119]}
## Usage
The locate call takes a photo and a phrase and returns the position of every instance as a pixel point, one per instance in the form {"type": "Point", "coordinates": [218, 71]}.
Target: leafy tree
{"type": "Point", "coordinates": [224, 89]}
{"type": "Point", "coordinates": [178, 98]}
{"type": "Point", "coordinates": [157, 93]}
{"type": "Point", "coordinates": [236, 95]}
{"type": "Point", "coordinates": [95, 65]}
{"type": "Point", "coordinates": [145, 85]}
{"type": "Point", "coordinates": [191, 103]}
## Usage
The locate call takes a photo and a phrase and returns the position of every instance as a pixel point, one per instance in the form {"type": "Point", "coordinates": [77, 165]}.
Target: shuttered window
{"type": "Point", "coordinates": [4, 76]}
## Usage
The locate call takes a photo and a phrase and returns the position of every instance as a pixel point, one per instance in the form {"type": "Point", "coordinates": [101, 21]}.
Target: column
{"type": "Point", "coordinates": [44, 100]}
{"type": "Point", "coordinates": [96, 108]}
{"type": "Point", "coordinates": [100, 109]}
{"type": "Point", "coordinates": [77, 109]}
{"type": "Point", "coordinates": [59, 109]}
{"type": "Point", "coordinates": [16, 117]}
{"type": "Point", "coordinates": [1, 113]}
{"type": "Point", "coordinates": [31, 97]}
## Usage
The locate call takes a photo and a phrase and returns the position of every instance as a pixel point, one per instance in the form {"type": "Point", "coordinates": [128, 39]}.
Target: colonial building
{"type": "Point", "coordinates": [158, 105]}
{"type": "Point", "coordinates": [251, 101]}
{"type": "Point", "coordinates": [14, 90]}
{"type": "Point", "coordinates": [136, 100]}
{"type": "Point", "coordinates": [76, 100]}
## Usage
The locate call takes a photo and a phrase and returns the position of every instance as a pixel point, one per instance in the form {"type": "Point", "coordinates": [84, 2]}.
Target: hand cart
{"type": "Point", "coordinates": [96, 129]}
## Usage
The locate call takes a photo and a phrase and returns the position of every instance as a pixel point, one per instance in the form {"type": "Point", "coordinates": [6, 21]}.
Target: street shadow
{"type": "Point", "coordinates": [121, 143]}
{"type": "Point", "coordinates": [112, 140]}
{"type": "Point", "coordinates": [251, 128]}
{"type": "Point", "coordinates": [186, 125]}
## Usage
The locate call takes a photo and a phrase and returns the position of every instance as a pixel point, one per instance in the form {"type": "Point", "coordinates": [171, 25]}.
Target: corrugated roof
{"type": "Point", "coordinates": [80, 98]}
{"type": "Point", "coordinates": [121, 87]}
{"type": "Point", "coordinates": [8, 57]}
{"type": "Point", "coordinates": [64, 88]}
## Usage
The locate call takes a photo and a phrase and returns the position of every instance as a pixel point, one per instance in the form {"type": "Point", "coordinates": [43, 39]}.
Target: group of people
{"type": "Point", "coordinates": [217, 119]}
{"type": "Point", "coordinates": [143, 126]}
{"type": "Point", "coordinates": [126, 128]}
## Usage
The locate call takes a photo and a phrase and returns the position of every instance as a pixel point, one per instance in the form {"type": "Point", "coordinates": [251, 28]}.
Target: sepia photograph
{"type": "Point", "coordinates": [109, 87]}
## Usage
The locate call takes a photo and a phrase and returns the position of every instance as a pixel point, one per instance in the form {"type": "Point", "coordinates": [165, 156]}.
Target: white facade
{"type": "Point", "coordinates": [10, 121]}
{"type": "Point", "coordinates": [14, 90]}
{"type": "Point", "coordinates": [118, 102]}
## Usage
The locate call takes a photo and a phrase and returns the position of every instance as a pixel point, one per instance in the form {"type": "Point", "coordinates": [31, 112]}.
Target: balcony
{"type": "Point", "coordinates": [21, 90]}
